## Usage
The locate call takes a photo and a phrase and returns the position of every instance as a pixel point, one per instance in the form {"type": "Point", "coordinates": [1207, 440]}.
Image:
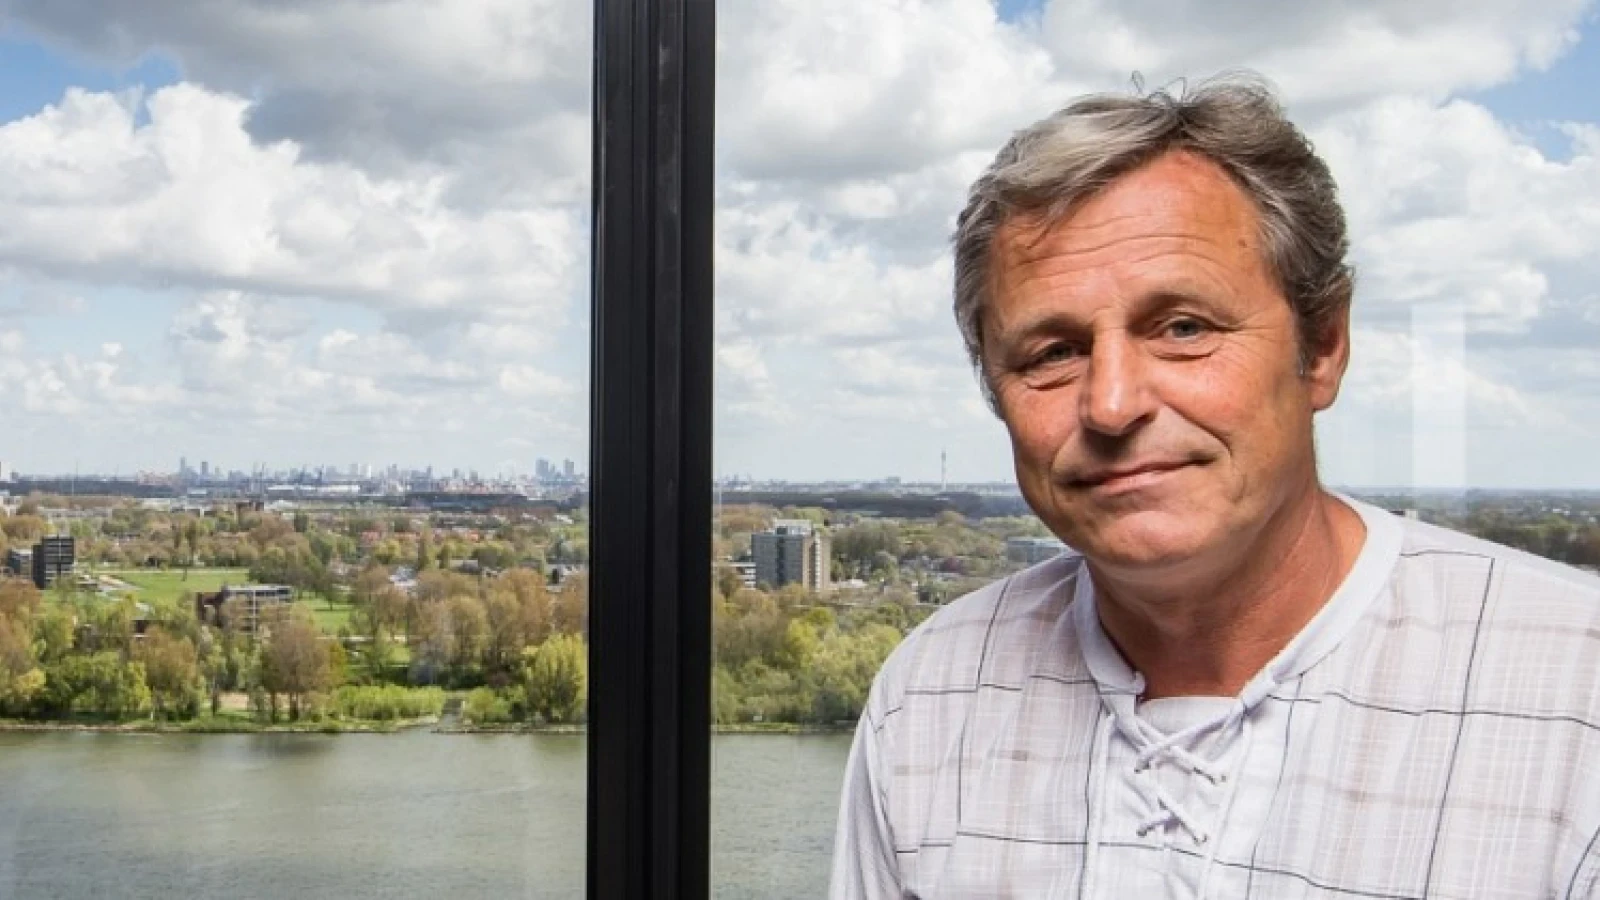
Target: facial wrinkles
{"type": "Point", "coordinates": [1054, 289]}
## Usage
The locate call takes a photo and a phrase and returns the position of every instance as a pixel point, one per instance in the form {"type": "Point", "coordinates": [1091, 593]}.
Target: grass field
{"type": "Point", "coordinates": [167, 586]}
{"type": "Point", "coordinates": [329, 617]}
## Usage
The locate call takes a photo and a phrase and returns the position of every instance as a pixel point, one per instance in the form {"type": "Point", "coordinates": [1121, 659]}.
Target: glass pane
{"type": "Point", "coordinates": [862, 483]}
{"type": "Point", "coordinates": [295, 341]}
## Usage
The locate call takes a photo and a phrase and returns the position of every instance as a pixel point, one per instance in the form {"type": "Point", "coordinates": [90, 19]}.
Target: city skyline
{"type": "Point", "coordinates": [359, 232]}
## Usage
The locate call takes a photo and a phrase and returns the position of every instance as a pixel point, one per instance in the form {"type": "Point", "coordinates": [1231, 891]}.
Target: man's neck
{"type": "Point", "coordinates": [1209, 633]}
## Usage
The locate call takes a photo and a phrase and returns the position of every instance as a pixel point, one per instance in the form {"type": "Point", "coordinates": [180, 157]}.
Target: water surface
{"type": "Point", "coordinates": [369, 816]}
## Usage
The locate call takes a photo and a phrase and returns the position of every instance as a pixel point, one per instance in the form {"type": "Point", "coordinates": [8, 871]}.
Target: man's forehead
{"type": "Point", "coordinates": [1179, 194]}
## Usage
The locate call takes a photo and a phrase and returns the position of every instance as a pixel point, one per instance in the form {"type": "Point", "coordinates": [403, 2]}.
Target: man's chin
{"type": "Point", "coordinates": [1147, 546]}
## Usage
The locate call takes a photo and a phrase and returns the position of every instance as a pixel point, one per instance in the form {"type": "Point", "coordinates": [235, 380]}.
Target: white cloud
{"type": "Point", "coordinates": [1445, 202]}
{"type": "Point", "coordinates": [528, 382]}
{"type": "Point", "coordinates": [496, 92]}
{"type": "Point", "coordinates": [840, 89]}
{"type": "Point", "coordinates": [188, 198]}
{"type": "Point", "coordinates": [1318, 53]}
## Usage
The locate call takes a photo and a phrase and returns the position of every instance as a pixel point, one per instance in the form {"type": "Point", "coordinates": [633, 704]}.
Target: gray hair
{"type": "Point", "coordinates": [1047, 169]}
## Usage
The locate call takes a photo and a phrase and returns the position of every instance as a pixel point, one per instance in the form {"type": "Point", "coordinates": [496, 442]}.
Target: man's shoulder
{"type": "Point", "coordinates": [1481, 607]}
{"type": "Point", "coordinates": [1463, 560]}
{"type": "Point", "coordinates": [990, 634]}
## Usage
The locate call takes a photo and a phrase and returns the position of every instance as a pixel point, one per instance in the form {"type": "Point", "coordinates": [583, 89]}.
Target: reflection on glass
{"type": "Point", "coordinates": [294, 517]}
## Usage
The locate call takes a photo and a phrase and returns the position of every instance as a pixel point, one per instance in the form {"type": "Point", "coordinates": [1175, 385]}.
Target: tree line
{"type": "Point", "coordinates": [79, 655]}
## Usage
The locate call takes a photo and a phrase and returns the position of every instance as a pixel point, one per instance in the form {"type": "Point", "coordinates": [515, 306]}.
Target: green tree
{"type": "Point", "coordinates": [557, 681]}
{"type": "Point", "coordinates": [431, 639]}
{"type": "Point", "coordinates": [172, 672]}
{"type": "Point", "coordinates": [99, 683]}
{"type": "Point", "coordinates": [53, 634]}
{"type": "Point", "coordinates": [192, 532]}
{"type": "Point", "coordinates": [18, 599]}
{"type": "Point", "coordinates": [519, 613]}
{"type": "Point", "coordinates": [804, 636]}
{"type": "Point", "coordinates": [425, 558]}
{"type": "Point", "coordinates": [749, 626]}
{"type": "Point", "coordinates": [842, 669]}
{"type": "Point", "coordinates": [295, 663]}
{"type": "Point", "coordinates": [21, 679]}
{"type": "Point", "coordinates": [569, 608]}
{"type": "Point", "coordinates": [23, 528]}
{"type": "Point", "coordinates": [379, 615]}
{"type": "Point", "coordinates": [469, 624]}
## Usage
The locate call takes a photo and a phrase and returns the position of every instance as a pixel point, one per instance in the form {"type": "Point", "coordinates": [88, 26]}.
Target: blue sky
{"type": "Point", "coordinates": [825, 197]}
{"type": "Point", "coordinates": [33, 74]}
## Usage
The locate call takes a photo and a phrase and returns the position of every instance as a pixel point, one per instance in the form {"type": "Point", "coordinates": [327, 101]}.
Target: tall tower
{"type": "Point", "coordinates": [943, 480]}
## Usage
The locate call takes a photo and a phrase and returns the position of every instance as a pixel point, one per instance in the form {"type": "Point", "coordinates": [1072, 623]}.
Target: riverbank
{"type": "Point", "coordinates": [222, 726]}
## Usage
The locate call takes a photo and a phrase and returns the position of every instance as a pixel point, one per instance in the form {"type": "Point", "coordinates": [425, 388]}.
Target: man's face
{"type": "Point", "coordinates": [1147, 367]}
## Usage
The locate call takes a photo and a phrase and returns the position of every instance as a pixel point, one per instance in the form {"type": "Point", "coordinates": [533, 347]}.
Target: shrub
{"type": "Point", "coordinates": [387, 702]}
{"type": "Point", "coordinates": [485, 707]}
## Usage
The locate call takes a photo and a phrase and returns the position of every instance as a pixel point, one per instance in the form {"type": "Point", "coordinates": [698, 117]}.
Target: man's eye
{"type": "Point", "coordinates": [1055, 353]}
{"type": "Point", "coordinates": [1185, 329]}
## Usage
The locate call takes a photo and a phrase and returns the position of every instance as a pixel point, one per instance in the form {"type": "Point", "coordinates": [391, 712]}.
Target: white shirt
{"type": "Point", "coordinates": [1433, 732]}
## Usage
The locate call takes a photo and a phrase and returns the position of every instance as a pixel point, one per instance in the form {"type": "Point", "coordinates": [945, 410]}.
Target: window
{"type": "Point", "coordinates": [295, 357]}
{"type": "Point", "coordinates": [847, 135]}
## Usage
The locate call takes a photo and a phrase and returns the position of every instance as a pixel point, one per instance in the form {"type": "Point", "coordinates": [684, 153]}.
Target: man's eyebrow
{"type": "Point", "coordinates": [1180, 295]}
{"type": "Point", "coordinates": [1055, 322]}
{"type": "Point", "coordinates": [1059, 322]}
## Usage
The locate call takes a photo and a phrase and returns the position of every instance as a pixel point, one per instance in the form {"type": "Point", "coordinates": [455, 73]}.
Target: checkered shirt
{"type": "Point", "coordinates": [1433, 732]}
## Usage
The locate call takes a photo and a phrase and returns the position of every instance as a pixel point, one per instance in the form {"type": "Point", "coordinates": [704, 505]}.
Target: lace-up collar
{"type": "Point", "coordinates": [1176, 747]}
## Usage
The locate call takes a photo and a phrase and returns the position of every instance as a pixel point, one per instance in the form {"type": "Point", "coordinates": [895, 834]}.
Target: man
{"type": "Point", "coordinates": [1239, 684]}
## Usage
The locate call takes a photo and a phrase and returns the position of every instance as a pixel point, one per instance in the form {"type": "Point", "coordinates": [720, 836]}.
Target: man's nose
{"type": "Point", "coordinates": [1116, 398]}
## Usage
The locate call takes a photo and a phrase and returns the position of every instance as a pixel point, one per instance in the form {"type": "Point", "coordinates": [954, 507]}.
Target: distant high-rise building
{"type": "Point", "coordinates": [183, 466]}
{"type": "Point", "coordinates": [205, 469]}
{"type": "Point", "coordinates": [543, 469]}
{"type": "Point", "coordinates": [793, 552]}
{"type": "Point", "coordinates": [569, 468]}
{"type": "Point", "coordinates": [53, 557]}
{"type": "Point", "coordinates": [5, 471]}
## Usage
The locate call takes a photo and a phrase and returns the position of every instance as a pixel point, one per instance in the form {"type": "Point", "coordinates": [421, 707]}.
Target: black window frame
{"type": "Point", "coordinates": [649, 736]}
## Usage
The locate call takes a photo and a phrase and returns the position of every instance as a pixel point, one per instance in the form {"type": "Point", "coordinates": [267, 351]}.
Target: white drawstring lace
{"type": "Point", "coordinates": [1165, 809]}
{"type": "Point", "coordinates": [1153, 747]}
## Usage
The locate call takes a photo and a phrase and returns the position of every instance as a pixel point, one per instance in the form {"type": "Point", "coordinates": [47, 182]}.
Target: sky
{"type": "Point", "coordinates": [324, 232]}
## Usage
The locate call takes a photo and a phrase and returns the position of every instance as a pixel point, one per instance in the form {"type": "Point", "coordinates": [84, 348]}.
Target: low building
{"type": "Point", "coordinates": [794, 552]}
{"type": "Point", "coordinates": [1030, 550]}
{"type": "Point", "coordinates": [19, 562]}
{"type": "Point", "coordinates": [243, 604]}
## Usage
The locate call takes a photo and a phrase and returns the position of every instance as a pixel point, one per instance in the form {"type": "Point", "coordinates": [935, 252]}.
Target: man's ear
{"type": "Point", "coordinates": [1325, 357]}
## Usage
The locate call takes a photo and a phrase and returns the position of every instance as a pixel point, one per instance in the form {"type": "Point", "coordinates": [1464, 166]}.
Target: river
{"type": "Point", "coordinates": [354, 816]}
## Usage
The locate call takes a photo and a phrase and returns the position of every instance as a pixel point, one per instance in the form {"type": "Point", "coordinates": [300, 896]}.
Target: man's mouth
{"type": "Point", "coordinates": [1130, 476]}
